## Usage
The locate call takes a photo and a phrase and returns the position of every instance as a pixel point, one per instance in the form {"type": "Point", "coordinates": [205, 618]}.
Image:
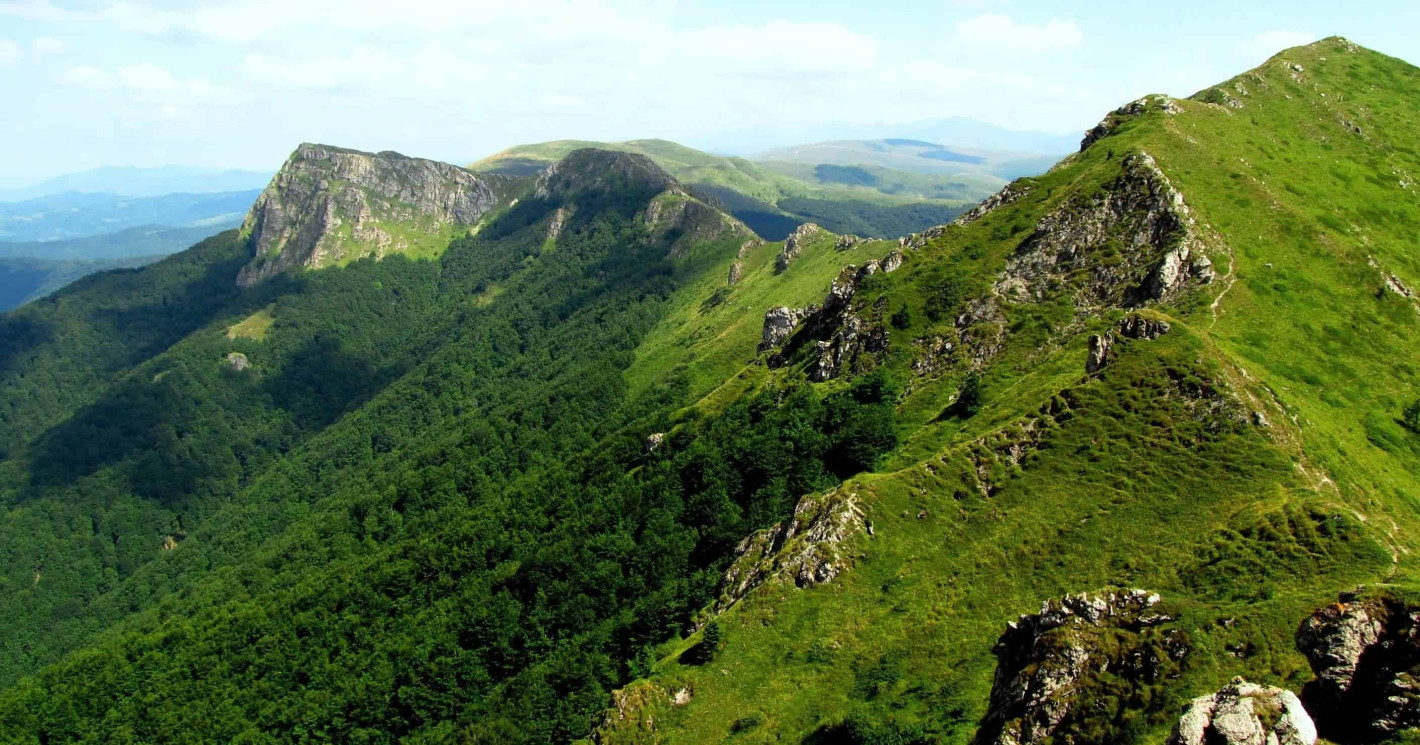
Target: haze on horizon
{"type": "Point", "coordinates": [237, 84]}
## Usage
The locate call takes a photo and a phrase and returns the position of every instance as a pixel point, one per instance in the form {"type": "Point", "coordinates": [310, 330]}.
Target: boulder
{"type": "Point", "coordinates": [237, 361]}
{"type": "Point", "coordinates": [1136, 326]}
{"type": "Point", "coordinates": [1243, 713]}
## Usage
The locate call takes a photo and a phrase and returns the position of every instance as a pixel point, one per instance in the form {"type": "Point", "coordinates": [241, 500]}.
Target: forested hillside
{"type": "Point", "coordinates": [606, 465]}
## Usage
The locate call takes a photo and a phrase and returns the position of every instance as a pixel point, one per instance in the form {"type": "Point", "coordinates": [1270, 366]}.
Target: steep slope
{"type": "Point", "coordinates": [773, 204]}
{"type": "Point", "coordinates": [328, 206]}
{"type": "Point", "coordinates": [457, 433]}
{"type": "Point", "coordinates": [610, 466]}
{"type": "Point", "coordinates": [1176, 362]}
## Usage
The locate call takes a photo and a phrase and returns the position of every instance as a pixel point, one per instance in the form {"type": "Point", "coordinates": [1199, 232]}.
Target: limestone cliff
{"type": "Point", "coordinates": [329, 205]}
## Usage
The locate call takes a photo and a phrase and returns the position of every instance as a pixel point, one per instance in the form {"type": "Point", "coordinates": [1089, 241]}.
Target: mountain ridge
{"type": "Point", "coordinates": [1062, 468]}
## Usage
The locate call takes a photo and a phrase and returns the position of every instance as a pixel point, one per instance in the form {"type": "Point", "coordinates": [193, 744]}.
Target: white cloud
{"type": "Point", "coordinates": [1269, 43]}
{"type": "Point", "coordinates": [9, 52]}
{"type": "Point", "coordinates": [46, 45]}
{"type": "Point", "coordinates": [88, 76]}
{"type": "Point", "coordinates": [994, 31]}
{"type": "Point", "coordinates": [149, 83]}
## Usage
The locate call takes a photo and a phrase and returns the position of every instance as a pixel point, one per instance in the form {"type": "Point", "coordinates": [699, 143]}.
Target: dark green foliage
{"type": "Point", "coordinates": [867, 730]}
{"type": "Point", "coordinates": [1411, 416]}
{"type": "Point", "coordinates": [969, 400]}
{"type": "Point", "coordinates": [902, 318]}
{"type": "Point", "coordinates": [868, 218]}
{"type": "Point", "coordinates": [414, 514]}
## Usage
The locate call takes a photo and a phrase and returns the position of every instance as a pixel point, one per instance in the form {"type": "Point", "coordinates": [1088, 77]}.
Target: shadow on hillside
{"type": "Point", "coordinates": [199, 429]}
{"type": "Point", "coordinates": [19, 335]}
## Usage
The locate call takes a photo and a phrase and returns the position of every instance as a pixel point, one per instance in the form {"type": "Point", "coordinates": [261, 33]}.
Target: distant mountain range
{"type": "Point", "coordinates": [78, 215]}
{"type": "Point", "coordinates": [142, 182]}
{"type": "Point", "coordinates": [957, 132]}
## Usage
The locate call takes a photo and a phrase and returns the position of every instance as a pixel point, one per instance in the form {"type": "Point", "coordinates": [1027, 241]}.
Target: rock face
{"type": "Point", "coordinates": [1048, 663]}
{"type": "Point", "coordinates": [1099, 352]}
{"type": "Point", "coordinates": [804, 549]}
{"type": "Point", "coordinates": [794, 244]}
{"type": "Point", "coordinates": [1135, 242]}
{"type": "Point", "coordinates": [1243, 713]}
{"type": "Point", "coordinates": [328, 205]}
{"type": "Point", "coordinates": [779, 324]}
{"type": "Point", "coordinates": [840, 333]}
{"type": "Point", "coordinates": [682, 220]}
{"type": "Point", "coordinates": [1136, 326]}
{"type": "Point", "coordinates": [1010, 193]}
{"type": "Point", "coordinates": [237, 361]}
{"type": "Point", "coordinates": [1365, 652]}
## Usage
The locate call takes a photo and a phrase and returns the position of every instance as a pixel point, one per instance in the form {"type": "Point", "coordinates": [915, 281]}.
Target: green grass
{"type": "Point", "coordinates": [253, 326]}
{"type": "Point", "coordinates": [1135, 487]}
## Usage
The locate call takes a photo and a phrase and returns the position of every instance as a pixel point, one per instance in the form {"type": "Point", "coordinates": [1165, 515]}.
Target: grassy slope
{"type": "Point", "coordinates": [752, 180]}
{"type": "Point", "coordinates": [1258, 525]}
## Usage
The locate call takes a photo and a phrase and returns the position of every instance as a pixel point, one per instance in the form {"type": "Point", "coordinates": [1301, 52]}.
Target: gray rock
{"type": "Point", "coordinates": [1046, 662]}
{"type": "Point", "coordinates": [1140, 215]}
{"type": "Point", "coordinates": [748, 246]}
{"type": "Point", "coordinates": [737, 270]}
{"type": "Point", "coordinates": [847, 242]}
{"type": "Point", "coordinates": [329, 204]}
{"type": "Point", "coordinates": [1009, 193]}
{"type": "Point", "coordinates": [779, 324]}
{"type": "Point", "coordinates": [1100, 347]}
{"type": "Point", "coordinates": [1243, 713]}
{"type": "Point", "coordinates": [654, 441]}
{"type": "Point", "coordinates": [237, 361]}
{"type": "Point", "coordinates": [805, 549]}
{"type": "Point", "coordinates": [1363, 650]}
{"type": "Point", "coordinates": [893, 261]}
{"type": "Point", "coordinates": [794, 244]}
{"type": "Point", "coordinates": [1136, 326]}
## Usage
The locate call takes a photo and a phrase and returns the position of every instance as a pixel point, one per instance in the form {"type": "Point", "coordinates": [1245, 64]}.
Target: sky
{"type": "Point", "coordinates": [239, 83]}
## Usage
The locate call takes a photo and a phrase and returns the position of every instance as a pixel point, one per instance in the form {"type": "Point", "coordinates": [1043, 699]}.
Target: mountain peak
{"type": "Point", "coordinates": [597, 170]}
{"type": "Point", "coordinates": [330, 205]}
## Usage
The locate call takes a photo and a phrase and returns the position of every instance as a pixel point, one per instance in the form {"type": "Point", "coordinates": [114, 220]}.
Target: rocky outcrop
{"type": "Point", "coordinates": [681, 220]}
{"type": "Point", "coordinates": [559, 221]}
{"type": "Point", "coordinates": [779, 325]}
{"type": "Point", "coordinates": [1243, 713]}
{"type": "Point", "coordinates": [1100, 347]}
{"type": "Point", "coordinates": [1365, 652]}
{"type": "Point", "coordinates": [1138, 326]}
{"type": "Point", "coordinates": [1049, 663]}
{"type": "Point", "coordinates": [748, 246]}
{"type": "Point", "coordinates": [1134, 242]}
{"type": "Point", "coordinates": [1010, 193]}
{"type": "Point", "coordinates": [807, 549]}
{"type": "Point", "coordinates": [237, 361]}
{"type": "Point", "coordinates": [328, 205]}
{"type": "Point", "coordinates": [737, 270]}
{"type": "Point", "coordinates": [848, 242]}
{"type": "Point", "coordinates": [794, 244]}
{"type": "Point", "coordinates": [1114, 119]}
{"type": "Point", "coordinates": [892, 262]}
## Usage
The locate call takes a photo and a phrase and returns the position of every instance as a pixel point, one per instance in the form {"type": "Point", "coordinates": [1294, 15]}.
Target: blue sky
{"type": "Point", "coordinates": [239, 83]}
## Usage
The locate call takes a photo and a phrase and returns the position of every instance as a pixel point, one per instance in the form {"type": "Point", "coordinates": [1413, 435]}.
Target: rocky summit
{"type": "Point", "coordinates": [329, 205]}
